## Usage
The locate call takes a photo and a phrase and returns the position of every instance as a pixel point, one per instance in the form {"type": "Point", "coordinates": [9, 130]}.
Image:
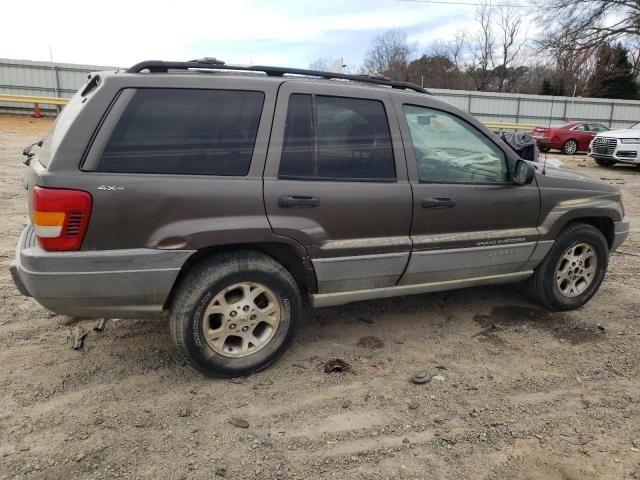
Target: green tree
{"type": "Point", "coordinates": [613, 75]}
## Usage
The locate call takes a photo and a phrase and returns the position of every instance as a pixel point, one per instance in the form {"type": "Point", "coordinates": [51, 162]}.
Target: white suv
{"type": "Point", "coordinates": [614, 146]}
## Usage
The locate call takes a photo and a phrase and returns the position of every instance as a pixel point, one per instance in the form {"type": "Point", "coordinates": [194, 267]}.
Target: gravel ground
{"type": "Point", "coordinates": [515, 392]}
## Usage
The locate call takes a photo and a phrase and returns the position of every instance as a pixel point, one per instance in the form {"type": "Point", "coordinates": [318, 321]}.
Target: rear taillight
{"type": "Point", "coordinates": [60, 217]}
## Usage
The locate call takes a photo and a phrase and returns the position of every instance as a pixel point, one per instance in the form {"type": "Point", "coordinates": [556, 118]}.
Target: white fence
{"type": "Point", "coordinates": [25, 77]}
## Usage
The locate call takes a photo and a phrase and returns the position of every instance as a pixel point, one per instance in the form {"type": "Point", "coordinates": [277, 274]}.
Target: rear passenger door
{"type": "Point", "coordinates": [336, 182]}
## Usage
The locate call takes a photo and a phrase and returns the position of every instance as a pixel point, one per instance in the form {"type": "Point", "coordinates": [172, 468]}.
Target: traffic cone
{"type": "Point", "coordinates": [36, 111]}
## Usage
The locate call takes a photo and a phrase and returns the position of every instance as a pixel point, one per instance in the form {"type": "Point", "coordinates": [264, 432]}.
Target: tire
{"type": "Point", "coordinates": [570, 147]}
{"type": "Point", "coordinates": [543, 287]}
{"type": "Point", "coordinates": [544, 148]}
{"type": "Point", "coordinates": [201, 297]}
{"type": "Point", "coordinates": [604, 162]}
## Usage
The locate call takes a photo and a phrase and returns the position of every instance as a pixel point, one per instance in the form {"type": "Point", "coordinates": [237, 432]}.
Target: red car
{"type": "Point", "coordinates": [569, 138]}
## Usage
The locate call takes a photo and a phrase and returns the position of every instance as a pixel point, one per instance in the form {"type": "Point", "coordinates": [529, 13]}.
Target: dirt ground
{"type": "Point", "coordinates": [517, 393]}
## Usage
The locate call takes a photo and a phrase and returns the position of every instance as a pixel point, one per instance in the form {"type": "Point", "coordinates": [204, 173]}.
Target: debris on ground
{"type": "Point", "coordinates": [337, 365]}
{"type": "Point", "coordinates": [79, 335]}
{"type": "Point", "coordinates": [239, 422]}
{"type": "Point", "coordinates": [370, 342]}
{"type": "Point", "coordinates": [184, 412]}
{"type": "Point", "coordinates": [101, 325]}
{"type": "Point", "coordinates": [576, 439]}
{"type": "Point", "coordinates": [420, 378]}
{"type": "Point", "coordinates": [439, 378]}
{"type": "Point", "coordinates": [366, 320]}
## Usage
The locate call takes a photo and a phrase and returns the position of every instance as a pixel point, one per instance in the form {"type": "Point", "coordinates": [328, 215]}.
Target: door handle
{"type": "Point", "coordinates": [297, 201]}
{"type": "Point", "coordinates": [438, 202]}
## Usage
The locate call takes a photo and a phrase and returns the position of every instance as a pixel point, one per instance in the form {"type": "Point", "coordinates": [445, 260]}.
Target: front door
{"type": "Point", "coordinates": [336, 182]}
{"type": "Point", "coordinates": [469, 220]}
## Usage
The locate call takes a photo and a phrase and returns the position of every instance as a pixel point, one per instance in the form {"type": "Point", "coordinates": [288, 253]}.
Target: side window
{"type": "Point", "coordinates": [336, 138]}
{"type": "Point", "coordinates": [580, 128]}
{"type": "Point", "coordinates": [449, 150]}
{"type": "Point", "coordinates": [185, 131]}
{"type": "Point", "coordinates": [596, 127]}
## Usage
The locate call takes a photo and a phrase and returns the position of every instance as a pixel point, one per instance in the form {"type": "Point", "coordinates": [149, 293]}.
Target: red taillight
{"type": "Point", "coordinates": [60, 217]}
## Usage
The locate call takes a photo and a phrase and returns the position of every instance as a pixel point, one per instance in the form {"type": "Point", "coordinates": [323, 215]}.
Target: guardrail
{"type": "Point", "coordinates": [35, 100]}
{"type": "Point", "coordinates": [499, 126]}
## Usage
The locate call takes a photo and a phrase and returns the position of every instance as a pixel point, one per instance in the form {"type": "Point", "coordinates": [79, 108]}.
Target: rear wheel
{"type": "Point", "coordinates": [570, 147]}
{"type": "Point", "coordinates": [573, 270]}
{"type": "Point", "coordinates": [235, 314]}
{"type": "Point", "coordinates": [605, 163]}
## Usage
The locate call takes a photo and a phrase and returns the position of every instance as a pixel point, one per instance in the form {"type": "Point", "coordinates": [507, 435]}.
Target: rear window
{"type": "Point", "coordinates": [185, 131]}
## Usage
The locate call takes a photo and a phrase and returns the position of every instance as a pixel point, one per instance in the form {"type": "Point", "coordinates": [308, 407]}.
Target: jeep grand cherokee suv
{"type": "Point", "coordinates": [232, 196]}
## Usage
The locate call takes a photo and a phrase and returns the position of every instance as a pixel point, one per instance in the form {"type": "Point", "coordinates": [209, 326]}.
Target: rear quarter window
{"type": "Point", "coordinates": [185, 131]}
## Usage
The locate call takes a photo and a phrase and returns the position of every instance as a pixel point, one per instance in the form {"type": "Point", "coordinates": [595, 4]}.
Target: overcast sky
{"type": "Point", "coordinates": [291, 33]}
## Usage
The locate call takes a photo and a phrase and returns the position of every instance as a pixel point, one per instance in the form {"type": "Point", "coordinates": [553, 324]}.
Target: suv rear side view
{"type": "Point", "coordinates": [232, 197]}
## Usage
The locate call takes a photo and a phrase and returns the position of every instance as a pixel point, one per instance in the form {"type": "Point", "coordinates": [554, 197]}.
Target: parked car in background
{"type": "Point", "coordinates": [569, 138]}
{"type": "Point", "coordinates": [616, 146]}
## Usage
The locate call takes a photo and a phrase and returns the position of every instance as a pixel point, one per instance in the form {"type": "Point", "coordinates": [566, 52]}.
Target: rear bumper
{"type": "Point", "coordinates": [130, 283]}
{"type": "Point", "coordinates": [620, 233]}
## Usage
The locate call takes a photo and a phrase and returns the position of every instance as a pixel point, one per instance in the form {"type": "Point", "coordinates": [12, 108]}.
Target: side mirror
{"type": "Point", "coordinates": [524, 173]}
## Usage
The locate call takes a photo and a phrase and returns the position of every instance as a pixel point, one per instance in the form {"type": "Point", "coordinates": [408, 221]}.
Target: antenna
{"type": "Point", "coordinates": [544, 164]}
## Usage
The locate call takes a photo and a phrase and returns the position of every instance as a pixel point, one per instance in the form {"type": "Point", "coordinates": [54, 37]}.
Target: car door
{"type": "Point", "coordinates": [336, 182]}
{"type": "Point", "coordinates": [583, 136]}
{"type": "Point", "coordinates": [469, 220]}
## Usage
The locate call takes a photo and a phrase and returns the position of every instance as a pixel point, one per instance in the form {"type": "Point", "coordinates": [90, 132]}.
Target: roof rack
{"type": "Point", "coordinates": [209, 63]}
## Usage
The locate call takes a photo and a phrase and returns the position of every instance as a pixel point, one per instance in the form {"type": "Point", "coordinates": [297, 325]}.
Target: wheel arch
{"type": "Point", "coordinates": [604, 224]}
{"type": "Point", "coordinates": [292, 257]}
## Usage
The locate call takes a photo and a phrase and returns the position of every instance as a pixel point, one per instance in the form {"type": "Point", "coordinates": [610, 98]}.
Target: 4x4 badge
{"type": "Point", "coordinates": [110, 188]}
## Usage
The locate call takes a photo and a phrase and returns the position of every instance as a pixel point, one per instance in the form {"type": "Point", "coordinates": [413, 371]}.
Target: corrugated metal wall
{"type": "Point", "coordinates": [540, 109]}
{"type": "Point", "coordinates": [25, 77]}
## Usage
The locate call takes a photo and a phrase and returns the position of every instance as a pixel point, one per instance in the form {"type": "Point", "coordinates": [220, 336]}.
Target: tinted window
{"type": "Point", "coordinates": [180, 131]}
{"type": "Point", "coordinates": [597, 127]}
{"type": "Point", "coordinates": [336, 138]}
{"type": "Point", "coordinates": [450, 150]}
{"type": "Point", "coordinates": [580, 128]}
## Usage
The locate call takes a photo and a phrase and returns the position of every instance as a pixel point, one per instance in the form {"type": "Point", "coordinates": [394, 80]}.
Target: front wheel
{"type": "Point", "coordinates": [573, 270]}
{"type": "Point", "coordinates": [235, 314]}
{"type": "Point", "coordinates": [570, 147]}
{"type": "Point", "coordinates": [605, 163]}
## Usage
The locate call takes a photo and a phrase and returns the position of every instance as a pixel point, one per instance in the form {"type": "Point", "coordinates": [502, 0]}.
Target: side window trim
{"type": "Point", "coordinates": [103, 130]}
{"type": "Point", "coordinates": [410, 147]}
{"type": "Point", "coordinates": [316, 177]}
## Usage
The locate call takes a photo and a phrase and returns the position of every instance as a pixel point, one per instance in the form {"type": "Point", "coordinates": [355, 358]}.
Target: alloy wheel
{"type": "Point", "coordinates": [241, 319]}
{"type": "Point", "coordinates": [576, 270]}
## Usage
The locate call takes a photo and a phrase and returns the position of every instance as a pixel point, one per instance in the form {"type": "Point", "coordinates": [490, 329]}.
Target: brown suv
{"type": "Point", "coordinates": [232, 196]}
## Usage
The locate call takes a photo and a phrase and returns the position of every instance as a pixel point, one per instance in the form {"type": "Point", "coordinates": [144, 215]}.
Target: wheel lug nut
{"type": "Point", "coordinates": [233, 313]}
{"type": "Point", "coordinates": [232, 326]}
{"type": "Point", "coordinates": [253, 317]}
{"type": "Point", "coordinates": [245, 308]}
{"type": "Point", "coordinates": [244, 329]}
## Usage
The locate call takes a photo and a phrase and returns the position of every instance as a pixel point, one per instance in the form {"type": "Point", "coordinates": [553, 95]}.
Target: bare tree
{"type": "Point", "coordinates": [323, 64]}
{"type": "Point", "coordinates": [585, 24]}
{"type": "Point", "coordinates": [512, 43]}
{"type": "Point", "coordinates": [388, 54]}
{"type": "Point", "coordinates": [483, 45]}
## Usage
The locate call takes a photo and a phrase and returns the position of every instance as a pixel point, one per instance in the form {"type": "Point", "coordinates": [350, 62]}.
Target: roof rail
{"type": "Point", "coordinates": [209, 63]}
